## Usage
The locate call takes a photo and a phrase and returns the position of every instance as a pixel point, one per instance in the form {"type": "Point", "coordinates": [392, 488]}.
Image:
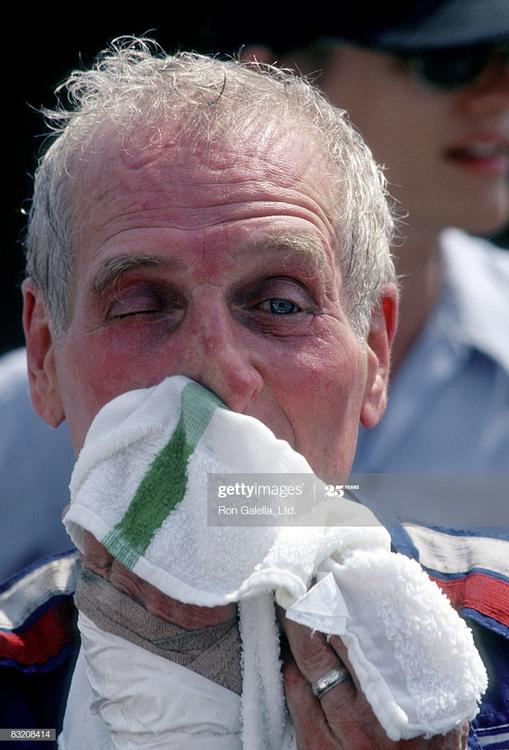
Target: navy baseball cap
{"type": "Point", "coordinates": [433, 24]}
{"type": "Point", "coordinates": [398, 25]}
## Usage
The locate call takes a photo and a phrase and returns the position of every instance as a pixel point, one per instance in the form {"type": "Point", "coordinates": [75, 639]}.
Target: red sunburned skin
{"type": "Point", "coordinates": [195, 302]}
{"type": "Point", "coordinates": [488, 153]}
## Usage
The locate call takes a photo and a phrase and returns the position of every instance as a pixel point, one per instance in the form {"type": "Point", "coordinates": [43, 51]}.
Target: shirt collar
{"type": "Point", "coordinates": [476, 293]}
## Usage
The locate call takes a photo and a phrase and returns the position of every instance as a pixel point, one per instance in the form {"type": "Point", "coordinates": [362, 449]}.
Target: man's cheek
{"type": "Point", "coordinates": [107, 363]}
{"type": "Point", "coordinates": [88, 378]}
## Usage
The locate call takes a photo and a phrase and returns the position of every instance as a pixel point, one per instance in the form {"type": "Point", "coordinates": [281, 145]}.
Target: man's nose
{"type": "Point", "coordinates": [215, 354]}
{"type": "Point", "coordinates": [490, 93]}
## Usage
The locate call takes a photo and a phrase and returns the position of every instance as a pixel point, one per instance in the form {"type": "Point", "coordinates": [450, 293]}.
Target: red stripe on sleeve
{"type": "Point", "coordinates": [44, 639]}
{"type": "Point", "coordinates": [479, 591]}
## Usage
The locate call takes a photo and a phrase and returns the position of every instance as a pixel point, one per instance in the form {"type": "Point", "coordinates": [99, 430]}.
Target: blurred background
{"type": "Point", "coordinates": [42, 51]}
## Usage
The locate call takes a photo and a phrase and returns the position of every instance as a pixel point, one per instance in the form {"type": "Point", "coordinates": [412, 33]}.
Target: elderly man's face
{"type": "Point", "coordinates": [218, 264]}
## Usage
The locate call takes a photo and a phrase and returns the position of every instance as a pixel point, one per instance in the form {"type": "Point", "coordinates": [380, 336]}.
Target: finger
{"type": "Point", "coordinates": [340, 649]}
{"type": "Point", "coordinates": [455, 740]}
{"type": "Point", "coordinates": [189, 616]}
{"type": "Point", "coordinates": [314, 658]}
{"type": "Point", "coordinates": [309, 648]}
{"type": "Point", "coordinates": [95, 556]}
{"type": "Point", "coordinates": [307, 715]}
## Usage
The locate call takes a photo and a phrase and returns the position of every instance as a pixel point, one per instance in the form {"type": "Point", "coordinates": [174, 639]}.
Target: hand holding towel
{"type": "Point", "coordinates": [140, 486]}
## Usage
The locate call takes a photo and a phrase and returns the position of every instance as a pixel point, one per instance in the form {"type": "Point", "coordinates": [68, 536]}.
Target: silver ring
{"type": "Point", "coordinates": [329, 680]}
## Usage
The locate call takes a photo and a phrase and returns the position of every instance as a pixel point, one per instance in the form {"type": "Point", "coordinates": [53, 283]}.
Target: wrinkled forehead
{"type": "Point", "coordinates": [274, 143]}
{"type": "Point", "coordinates": [266, 161]}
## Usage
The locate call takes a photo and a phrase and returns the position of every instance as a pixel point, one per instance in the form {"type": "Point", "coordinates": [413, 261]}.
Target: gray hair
{"type": "Point", "coordinates": [134, 83]}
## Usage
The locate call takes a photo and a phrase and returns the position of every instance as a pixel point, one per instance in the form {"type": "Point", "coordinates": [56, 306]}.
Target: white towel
{"type": "Point", "coordinates": [140, 487]}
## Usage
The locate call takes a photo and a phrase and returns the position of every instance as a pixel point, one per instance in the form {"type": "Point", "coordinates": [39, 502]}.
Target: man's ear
{"type": "Point", "coordinates": [381, 336]}
{"type": "Point", "coordinates": [41, 356]}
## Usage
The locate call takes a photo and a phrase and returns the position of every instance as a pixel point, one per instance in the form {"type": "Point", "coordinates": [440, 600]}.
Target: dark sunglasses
{"type": "Point", "coordinates": [448, 69]}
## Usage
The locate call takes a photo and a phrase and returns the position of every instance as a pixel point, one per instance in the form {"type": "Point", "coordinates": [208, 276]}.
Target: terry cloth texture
{"type": "Point", "coordinates": [213, 652]}
{"type": "Point", "coordinates": [140, 487]}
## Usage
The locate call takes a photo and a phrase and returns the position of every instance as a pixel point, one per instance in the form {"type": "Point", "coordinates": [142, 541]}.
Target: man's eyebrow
{"type": "Point", "coordinates": [112, 269]}
{"type": "Point", "coordinates": [302, 248]}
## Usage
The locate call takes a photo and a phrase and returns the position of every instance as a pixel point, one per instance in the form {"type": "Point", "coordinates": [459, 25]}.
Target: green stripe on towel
{"type": "Point", "coordinates": [165, 483]}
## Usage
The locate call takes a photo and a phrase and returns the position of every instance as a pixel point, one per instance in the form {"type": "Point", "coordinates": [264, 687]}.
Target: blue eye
{"type": "Point", "coordinates": [282, 306]}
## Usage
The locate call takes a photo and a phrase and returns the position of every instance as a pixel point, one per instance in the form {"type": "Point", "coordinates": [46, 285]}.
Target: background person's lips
{"type": "Point", "coordinates": [487, 152]}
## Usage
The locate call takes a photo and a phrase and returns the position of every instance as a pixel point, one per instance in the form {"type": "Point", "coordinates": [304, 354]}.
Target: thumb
{"type": "Point", "coordinates": [305, 710]}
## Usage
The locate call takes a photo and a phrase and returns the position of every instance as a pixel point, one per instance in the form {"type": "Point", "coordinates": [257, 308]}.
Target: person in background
{"type": "Point", "coordinates": [427, 84]}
